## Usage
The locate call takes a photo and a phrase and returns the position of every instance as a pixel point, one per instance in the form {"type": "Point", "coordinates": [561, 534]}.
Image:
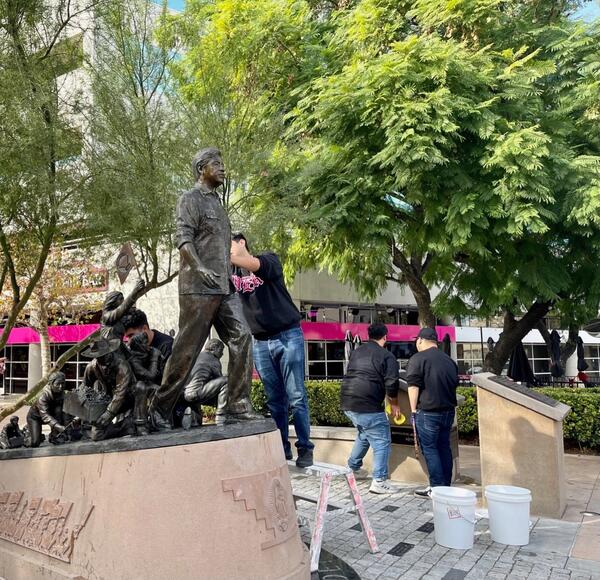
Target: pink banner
{"type": "Point", "coordinates": [396, 332]}
{"type": "Point", "coordinates": [69, 334]}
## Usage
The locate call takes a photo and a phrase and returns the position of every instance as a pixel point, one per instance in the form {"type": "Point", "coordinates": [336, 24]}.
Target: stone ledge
{"type": "Point", "coordinates": [157, 440]}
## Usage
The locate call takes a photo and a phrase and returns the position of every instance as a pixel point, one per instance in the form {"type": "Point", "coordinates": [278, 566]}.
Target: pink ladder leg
{"type": "Point", "coordinates": [317, 534]}
{"type": "Point", "coordinates": [362, 514]}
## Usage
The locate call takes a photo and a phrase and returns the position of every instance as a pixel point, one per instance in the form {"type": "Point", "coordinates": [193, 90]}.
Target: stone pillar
{"type": "Point", "coordinates": [521, 441]}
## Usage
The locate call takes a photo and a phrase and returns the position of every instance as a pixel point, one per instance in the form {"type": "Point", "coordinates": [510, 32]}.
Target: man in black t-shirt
{"type": "Point", "coordinates": [136, 321]}
{"type": "Point", "coordinates": [278, 342]}
{"type": "Point", "coordinates": [432, 378]}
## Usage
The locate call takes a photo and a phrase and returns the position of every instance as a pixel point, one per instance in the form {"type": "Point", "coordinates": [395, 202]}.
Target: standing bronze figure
{"type": "Point", "coordinates": [206, 295]}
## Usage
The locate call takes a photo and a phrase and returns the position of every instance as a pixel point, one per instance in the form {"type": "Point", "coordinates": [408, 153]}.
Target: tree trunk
{"type": "Point", "coordinates": [45, 348]}
{"type": "Point", "coordinates": [513, 332]}
{"type": "Point", "coordinates": [413, 271]}
{"type": "Point", "coordinates": [423, 300]}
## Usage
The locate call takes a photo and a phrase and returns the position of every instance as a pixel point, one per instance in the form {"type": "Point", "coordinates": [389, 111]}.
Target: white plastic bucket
{"type": "Point", "coordinates": [508, 509]}
{"type": "Point", "coordinates": [454, 517]}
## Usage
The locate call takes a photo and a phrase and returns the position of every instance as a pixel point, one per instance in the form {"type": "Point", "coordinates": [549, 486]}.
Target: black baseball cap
{"type": "Point", "coordinates": [427, 334]}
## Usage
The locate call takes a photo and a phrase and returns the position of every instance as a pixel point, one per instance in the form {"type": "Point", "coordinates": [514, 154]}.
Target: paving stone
{"type": "Point", "coordinates": [455, 574]}
{"type": "Point", "coordinates": [401, 548]}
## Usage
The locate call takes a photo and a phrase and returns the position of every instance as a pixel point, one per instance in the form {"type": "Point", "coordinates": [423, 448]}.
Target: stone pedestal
{"type": "Point", "coordinates": [521, 441]}
{"type": "Point", "coordinates": [207, 503]}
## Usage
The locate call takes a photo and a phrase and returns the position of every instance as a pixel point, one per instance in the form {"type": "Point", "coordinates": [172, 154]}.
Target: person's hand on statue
{"type": "Point", "coordinates": [139, 285]}
{"type": "Point", "coordinates": [238, 251]}
{"type": "Point", "coordinates": [60, 428]}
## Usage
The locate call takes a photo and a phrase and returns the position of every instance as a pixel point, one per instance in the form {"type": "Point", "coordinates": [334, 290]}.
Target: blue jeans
{"type": "Point", "coordinates": [279, 362]}
{"type": "Point", "coordinates": [373, 431]}
{"type": "Point", "coordinates": [433, 431]}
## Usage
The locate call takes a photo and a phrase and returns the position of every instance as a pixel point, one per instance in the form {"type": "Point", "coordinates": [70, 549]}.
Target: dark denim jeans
{"type": "Point", "coordinates": [433, 430]}
{"type": "Point", "coordinates": [279, 362]}
{"type": "Point", "coordinates": [373, 431]}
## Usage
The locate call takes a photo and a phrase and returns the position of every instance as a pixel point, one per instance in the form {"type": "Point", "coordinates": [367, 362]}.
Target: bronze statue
{"type": "Point", "coordinates": [11, 435]}
{"type": "Point", "coordinates": [207, 385]}
{"type": "Point", "coordinates": [48, 409]}
{"type": "Point", "coordinates": [206, 295]}
{"type": "Point", "coordinates": [147, 364]}
{"type": "Point", "coordinates": [109, 373]}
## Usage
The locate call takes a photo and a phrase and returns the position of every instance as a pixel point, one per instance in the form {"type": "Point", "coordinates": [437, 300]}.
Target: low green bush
{"type": "Point", "coordinates": [581, 426]}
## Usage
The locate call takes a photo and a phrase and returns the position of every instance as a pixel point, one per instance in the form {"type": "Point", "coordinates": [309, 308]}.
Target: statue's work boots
{"type": "Point", "coordinates": [241, 411]}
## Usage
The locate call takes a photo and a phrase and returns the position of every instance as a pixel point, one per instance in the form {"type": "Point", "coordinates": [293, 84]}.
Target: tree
{"type": "Point", "coordinates": [444, 153]}
{"type": "Point", "coordinates": [65, 293]}
{"type": "Point", "coordinates": [41, 174]}
{"type": "Point", "coordinates": [241, 63]}
{"type": "Point", "coordinates": [140, 146]}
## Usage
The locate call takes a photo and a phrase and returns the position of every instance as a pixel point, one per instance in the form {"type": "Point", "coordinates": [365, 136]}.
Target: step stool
{"type": "Point", "coordinates": [327, 472]}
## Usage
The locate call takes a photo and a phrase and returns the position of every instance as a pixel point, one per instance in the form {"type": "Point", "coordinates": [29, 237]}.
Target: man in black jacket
{"type": "Point", "coordinates": [47, 409]}
{"type": "Point", "coordinates": [432, 378]}
{"type": "Point", "coordinates": [371, 376]}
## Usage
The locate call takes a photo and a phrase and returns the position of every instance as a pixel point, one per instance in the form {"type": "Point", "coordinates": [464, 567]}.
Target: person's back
{"type": "Point", "coordinates": [372, 374]}
{"type": "Point", "coordinates": [436, 375]}
{"type": "Point", "coordinates": [363, 386]}
{"type": "Point", "coordinates": [432, 378]}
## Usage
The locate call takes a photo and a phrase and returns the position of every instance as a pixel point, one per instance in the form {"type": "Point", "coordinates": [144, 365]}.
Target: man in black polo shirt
{"type": "Point", "coordinates": [432, 378]}
{"type": "Point", "coordinates": [278, 342]}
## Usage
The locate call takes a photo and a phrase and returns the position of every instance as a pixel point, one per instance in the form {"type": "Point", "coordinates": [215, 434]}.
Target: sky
{"type": "Point", "coordinates": [589, 10]}
{"type": "Point", "coordinates": [176, 4]}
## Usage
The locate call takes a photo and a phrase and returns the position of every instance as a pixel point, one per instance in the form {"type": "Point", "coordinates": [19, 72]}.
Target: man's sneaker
{"type": "Point", "coordinates": [423, 492]}
{"type": "Point", "coordinates": [382, 486]}
{"type": "Point", "coordinates": [360, 474]}
{"type": "Point", "coordinates": [289, 455]}
{"type": "Point", "coordinates": [305, 458]}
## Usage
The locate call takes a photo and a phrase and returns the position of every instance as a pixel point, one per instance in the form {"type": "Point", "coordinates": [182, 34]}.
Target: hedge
{"type": "Point", "coordinates": [581, 426]}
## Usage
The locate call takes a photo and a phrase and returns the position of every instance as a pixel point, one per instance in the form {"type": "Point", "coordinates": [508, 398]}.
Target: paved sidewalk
{"type": "Point", "coordinates": [403, 526]}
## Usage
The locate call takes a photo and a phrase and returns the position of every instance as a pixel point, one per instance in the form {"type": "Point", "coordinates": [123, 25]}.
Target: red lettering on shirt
{"type": "Point", "coordinates": [246, 284]}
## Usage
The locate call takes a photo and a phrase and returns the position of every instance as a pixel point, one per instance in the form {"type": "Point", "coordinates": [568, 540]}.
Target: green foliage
{"type": "Point", "coordinates": [582, 425]}
{"type": "Point", "coordinates": [143, 146]}
{"type": "Point", "coordinates": [466, 414]}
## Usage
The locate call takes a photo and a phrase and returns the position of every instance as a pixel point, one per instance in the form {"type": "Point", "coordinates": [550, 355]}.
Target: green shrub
{"type": "Point", "coordinates": [466, 414]}
{"type": "Point", "coordinates": [582, 424]}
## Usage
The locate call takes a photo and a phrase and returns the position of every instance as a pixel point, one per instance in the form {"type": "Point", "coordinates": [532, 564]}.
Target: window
{"type": "Point", "coordinates": [469, 358]}
{"type": "Point", "coordinates": [325, 359]}
{"type": "Point", "coordinates": [16, 371]}
{"type": "Point", "coordinates": [402, 351]}
{"type": "Point", "coordinates": [74, 368]}
{"type": "Point", "coordinates": [591, 355]}
{"type": "Point", "coordinates": [539, 359]}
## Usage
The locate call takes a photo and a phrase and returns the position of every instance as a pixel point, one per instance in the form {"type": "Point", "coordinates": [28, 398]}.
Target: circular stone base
{"type": "Point", "coordinates": [211, 503]}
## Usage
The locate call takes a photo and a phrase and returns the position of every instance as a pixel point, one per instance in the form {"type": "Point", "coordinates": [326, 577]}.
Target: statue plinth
{"type": "Point", "coordinates": [212, 502]}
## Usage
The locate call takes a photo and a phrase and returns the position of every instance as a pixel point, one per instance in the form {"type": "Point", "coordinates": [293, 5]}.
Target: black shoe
{"type": "Point", "coordinates": [305, 458]}
{"type": "Point", "coordinates": [289, 456]}
{"type": "Point", "coordinates": [424, 492]}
